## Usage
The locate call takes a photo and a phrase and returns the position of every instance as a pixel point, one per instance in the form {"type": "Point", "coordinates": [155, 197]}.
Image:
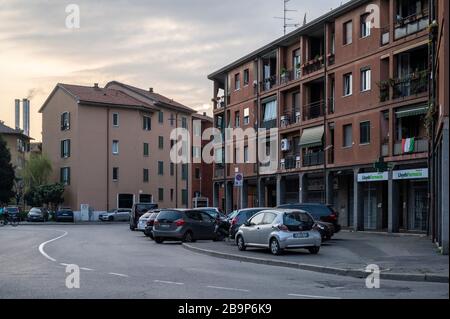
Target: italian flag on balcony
{"type": "Point", "coordinates": [408, 145]}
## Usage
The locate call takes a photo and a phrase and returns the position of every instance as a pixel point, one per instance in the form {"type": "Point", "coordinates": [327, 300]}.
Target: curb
{"type": "Point", "coordinates": [71, 224]}
{"type": "Point", "coordinates": [355, 273]}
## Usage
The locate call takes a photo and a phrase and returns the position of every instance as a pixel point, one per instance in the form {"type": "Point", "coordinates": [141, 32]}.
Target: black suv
{"type": "Point", "coordinates": [319, 212]}
{"type": "Point", "coordinates": [138, 210]}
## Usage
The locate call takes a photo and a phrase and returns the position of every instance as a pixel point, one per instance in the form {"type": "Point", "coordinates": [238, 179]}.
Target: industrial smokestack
{"type": "Point", "coordinates": [17, 118]}
{"type": "Point", "coordinates": [26, 117]}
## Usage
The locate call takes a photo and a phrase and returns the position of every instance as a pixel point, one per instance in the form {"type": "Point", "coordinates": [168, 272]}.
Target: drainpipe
{"type": "Point", "coordinates": [107, 158]}
{"type": "Point", "coordinates": [176, 168]}
{"type": "Point", "coordinates": [325, 116]}
{"type": "Point", "coordinates": [257, 130]}
{"type": "Point", "coordinates": [224, 157]}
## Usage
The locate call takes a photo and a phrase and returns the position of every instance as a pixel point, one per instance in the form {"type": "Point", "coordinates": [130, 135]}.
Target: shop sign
{"type": "Point", "coordinates": [372, 177]}
{"type": "Point", "coordinates": [411, 174]}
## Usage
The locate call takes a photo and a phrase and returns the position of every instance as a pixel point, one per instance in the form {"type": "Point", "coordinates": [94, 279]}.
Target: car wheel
{"type": "Point", "coordinates": [132, 228]}
{"type": "Point", "coordinates": [188, 237]}
{"type": "Point", "coordinates": [314, 250]}
{"type": "Point", "coordinates": [241, 243]}
{"type": "Point", "coordinates": [159, 240]}
{"type": "Point", "coordinates": [275, 247]}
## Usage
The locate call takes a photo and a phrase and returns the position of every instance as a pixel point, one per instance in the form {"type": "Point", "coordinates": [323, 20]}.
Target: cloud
{"type": "Point", "coordinates": [170, 45]}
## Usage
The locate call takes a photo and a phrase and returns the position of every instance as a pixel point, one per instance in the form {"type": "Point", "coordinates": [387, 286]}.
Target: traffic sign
{"type": "Point", "coordinates": [238, 179]}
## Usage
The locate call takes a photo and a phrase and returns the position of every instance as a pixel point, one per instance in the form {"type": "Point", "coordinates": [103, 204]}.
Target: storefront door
{"type": "Point", "coordinates": [418, 207]}
{"type": "Point", "coordinates": [370, 206]}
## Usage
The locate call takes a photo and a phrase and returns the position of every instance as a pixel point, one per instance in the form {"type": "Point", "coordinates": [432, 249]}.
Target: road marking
{"type": "Point", "coordinates": [65, 265]}
{"type": "Point", "coordinates": [119, 275]}
{"type": "Point", "coordinates": [313, 297]}
{"type": "Point", "coordinates": [168, 282]}
{"type": "Point", "coordinates": [87, 269]}
{"type": "Point", "coordinates": [41, 246]}
{"type": "Point", "coordinates": [225, 288]}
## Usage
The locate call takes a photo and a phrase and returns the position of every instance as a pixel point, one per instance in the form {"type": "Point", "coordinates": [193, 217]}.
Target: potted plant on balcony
{"type": "Point", "coordinates": [284, 75]}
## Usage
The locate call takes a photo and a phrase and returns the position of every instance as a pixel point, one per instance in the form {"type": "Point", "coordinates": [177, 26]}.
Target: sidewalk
{"type": "Point", "coordinates": [409, 258]}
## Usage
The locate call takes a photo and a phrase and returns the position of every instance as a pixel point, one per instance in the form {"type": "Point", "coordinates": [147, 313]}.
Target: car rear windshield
{"type": "Point", "coordinates": [146, 215]}
{"type": "Point", "coordinates": [296, 219]}
{"type": "Point", "coordinates": [169, 216]}
{"type": "Point", "coordinates": [12, 209]}
{"type": "Point", "coordinates": [143, 208]}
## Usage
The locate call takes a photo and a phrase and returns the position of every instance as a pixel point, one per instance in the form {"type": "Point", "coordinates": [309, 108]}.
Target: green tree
{"type": "Point", "coordinates": [36, 172]}
{"type": "Point", "coordinates": [51, 195]}
{"type": "Point", "coordinates": [6, 173]}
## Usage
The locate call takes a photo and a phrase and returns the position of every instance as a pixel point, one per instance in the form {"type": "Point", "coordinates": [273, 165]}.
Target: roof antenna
{"type": "Point", "coordinates": [286, 19]}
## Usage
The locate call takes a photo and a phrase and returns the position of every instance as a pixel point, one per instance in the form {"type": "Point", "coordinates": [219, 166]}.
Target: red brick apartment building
{"type": "Point", "coordinates": [345, 90]}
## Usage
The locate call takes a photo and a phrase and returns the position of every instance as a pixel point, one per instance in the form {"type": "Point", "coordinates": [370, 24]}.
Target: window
{"type": "Point", "coordinates": [160, 117]}
{"type": "Point", "coordinates": [348, 84]}
{"type": "Point", "coordinates": [366, 75]}
{"type": "Point", "coordinates": [197, 152]}
{"type": "Point", "coordinates": [366, 25]}
{"type": "Point", "coordinates": [197, 173]}
{"type": "Point", "coordinates": [171, 194]}
{"type": "Point", "coordinates": [146, 175]}
{"type": "Point", "coordinates": [297, 64]}
{"type": "Point", "coordinates": [147, 123]}
{"type": "Point", "coordinates": [115, 174]}
{"type": "Point", "coordinates": [146, 149]}
{"type": "Point", "coordinates": [237, 119]}
{"type": "Point", "coordinates": [65, 176]}
{"type": "Point", "coordinates": [161, 142]}
{"type": "Point", "coordinates": [257, 220]}
{"type": "Point", "coordinates": [115, 119]}
{"type": "Point", "coordinates": [348, 30]}
{"type": "Point", "coordinates": [115, 147]}
{"type": "Point", "coordinates": [184, 123]}
{"type": "Point", "coordinates": [237, 81]}
{"type": "Point", "coordinates": [160, 168]}
{"type": "Point", "coordinates": [65, 149]}
{"type": "Point", "coordinates": [268, 218]}
{"type": "Point", "coordinates": [161, 194]}
{"type": "Point", "coordinates": [364, 132]}
{"type": "Point", "coordinates": [65, 121]}
{"type": "Point", "coordinates": [197, 128]}
{"type": "Point", "coordinates": [246, 116]}
{"type": "Point", "coordinates": [246, 159]}
{"type": "Point", "coordinates": [246, 77]}
{"type": "Point", "coordinates": [172, 169]}
{"type": "Point", "coordinates": [184, 197]}
{"type": "Point", "coordinates": [348, 135]}
{"type": "Point", "coordinates": [270, 111]}
{"type": "Point", "coordinates": [184, 172]}
{"type": "Point", "coordinates": [172, 120]}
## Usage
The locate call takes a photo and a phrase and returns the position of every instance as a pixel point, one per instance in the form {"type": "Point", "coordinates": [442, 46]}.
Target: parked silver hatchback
{"type": "Point", "coordinates": [278, 230]}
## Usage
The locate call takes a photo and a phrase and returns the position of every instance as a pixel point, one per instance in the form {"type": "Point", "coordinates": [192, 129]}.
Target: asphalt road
{"type": "Point", "coordinates": [118, 263]}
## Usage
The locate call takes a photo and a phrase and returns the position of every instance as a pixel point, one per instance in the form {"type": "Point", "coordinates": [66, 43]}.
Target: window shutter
{"type": "Point", "coordinates": [62, 122]}
{"type": "Point", "coordinates": [68, 120]}
{"type": "Point", "coordinates": [62, 149]}
{"type": "Point", "coordinates": [68, 148]}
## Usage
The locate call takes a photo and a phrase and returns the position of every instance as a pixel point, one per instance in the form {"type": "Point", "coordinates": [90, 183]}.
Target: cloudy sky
{"type": "Point", "coordinates": [171, 45]}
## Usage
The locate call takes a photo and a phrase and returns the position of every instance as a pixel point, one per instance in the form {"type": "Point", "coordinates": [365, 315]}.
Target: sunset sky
{"type": "Point", "coordinates": [170, 45]}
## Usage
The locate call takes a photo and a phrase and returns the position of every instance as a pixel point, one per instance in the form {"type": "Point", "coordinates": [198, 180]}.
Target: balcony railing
{"type": "Point", "coordinates": [331, 58]}
{"type": "Point", "coordinates": [385, 150]}
{"type": "Point", "coordinates": [385, 34]}
{"type": "Point", "coordinates": [290, 118]}
{"type": "Point", "coordinates": [420, 146]}
{"type": "Point", "coordinates": [220, 102]}
{"type": "Point", "coordinates": [218, 171]}
{"type": "Point", "coordinates": [290, 162]}
{"type": "Point", "coordinates": [413, 84]}
{"type": "Point", "coordinates": [385, 88]}
{"type": "Point", "coordinates": [269, 83]}
{"type": "Point", "coordinates": [286, 77]}
{"type": "Point", "coordinates": [314, 159]}
{"type": "Point", "coordinates": [405, 26]}
{"type": "Point", "coordinates": [313, 110]}
{"type": "Point", "coordinates": [269, 124]}
{"type": "Point", "coordinates": [313, 65]}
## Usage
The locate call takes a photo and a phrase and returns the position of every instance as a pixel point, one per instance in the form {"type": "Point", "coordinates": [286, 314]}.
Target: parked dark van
{"type": "Point", "coordinates": [138, 210]}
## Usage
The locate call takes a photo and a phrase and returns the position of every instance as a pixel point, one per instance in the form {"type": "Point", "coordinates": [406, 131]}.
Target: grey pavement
{"type": "Point", "coordinates": [118, 263]}
{"type": "Point", "coordinates": [355, 251]}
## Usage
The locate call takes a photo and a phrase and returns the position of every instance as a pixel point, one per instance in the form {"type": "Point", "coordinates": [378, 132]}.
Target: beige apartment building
{"type": "Point", "coordinates": [18, 144]}
{"type": "Point", "coordinates": [111, 146]}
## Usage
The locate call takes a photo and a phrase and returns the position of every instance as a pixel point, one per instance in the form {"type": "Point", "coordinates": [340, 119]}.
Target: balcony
{"type": "Point", "coordinates": [331, 155]}
{"type": "Point", "coordinates": [420, 146]}
{"type": "Point", "coordinates": [331, 58]}
{"type": "Point", "coordinates": [385, 149]}
{"type": "Point", "coordinates": [290, 118]}
{"type": "Point", "coordinates": [385, 33]}
{"type": "Point", "coordinates": [414, 23]}
{"type": "Point", "coordinates": [313, 65]}
{"type": "Point", "coordinates": [219, 102]}
{"type": "Point", "coordinates": [218, 171]}
{"type": "Point", "coordinates": [290, 162]}
{"type": "Point", "coordinates": [286, 76]}
{"type": "Point", "coordinates": [313, 110]}
{"type": "Point", "coordinates": [269, 83]}
{"type": "Point", "coordinates": [268, 124]}
{"type": "Point", "coordinates": [413, 84]}
{"type": "Point", "coordinates": [385, 94]}
{"type": "Point", "coordinates": [314, 159]}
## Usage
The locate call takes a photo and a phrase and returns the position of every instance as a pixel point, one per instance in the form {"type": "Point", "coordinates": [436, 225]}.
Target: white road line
{"type": "Point", "coordinates": [63, 264]}
{"type": "Point", "coordinates": [87, 269]}
{"type": "Point", "coordinates": [119, 275]}
{"type": "Point", "coordinates": [168, 282]}
{"type": "Point", "coordinates": [225, 288]}
{"type": "Point", "coordinates": [313, 297]}
{"type": "Point", "coordinates": [41, 246]}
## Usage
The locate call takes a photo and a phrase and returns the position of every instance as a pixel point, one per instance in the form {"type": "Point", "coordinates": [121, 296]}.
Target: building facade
{"type": "Point", "coordinates": [349, 95]}
{"type": "Point", "coordinates": [18, 144]}
{"type": "Point", "coordinates": [111, 146]}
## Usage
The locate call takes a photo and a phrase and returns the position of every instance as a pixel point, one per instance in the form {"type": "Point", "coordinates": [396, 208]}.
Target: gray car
{"type": "Point", "coordinates": [115, 215]}
{"type": "Point", "coordinates": [279, 229]}
{"type": "Point", "coordinates": [187, 225]}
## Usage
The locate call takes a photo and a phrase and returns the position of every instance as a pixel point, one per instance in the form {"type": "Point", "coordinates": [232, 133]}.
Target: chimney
{"type": "Point", "coordinates": [17, 103]}
{"type": "Point", "coordinates": [26, 116]}
{"type": "Point", "coordinates": [150, 90]}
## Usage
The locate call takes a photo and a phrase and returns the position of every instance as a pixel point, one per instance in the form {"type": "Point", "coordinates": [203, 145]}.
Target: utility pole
{"type": "Point", "coordinates": [286, 19]}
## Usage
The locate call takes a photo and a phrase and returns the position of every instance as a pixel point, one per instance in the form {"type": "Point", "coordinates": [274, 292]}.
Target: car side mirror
{"type": "Point", "coordinates": [247, 224]}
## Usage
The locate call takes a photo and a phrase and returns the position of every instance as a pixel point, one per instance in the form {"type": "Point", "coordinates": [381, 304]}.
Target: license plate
{"type": "Point", "coordinates": [301, 235]}
{"type": "Point", "coordinates": [165, 226]}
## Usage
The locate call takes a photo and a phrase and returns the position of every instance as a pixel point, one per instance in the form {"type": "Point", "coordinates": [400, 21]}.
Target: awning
{"type": "Point", "coordinates": [312, 137]}
{"type": "Point", "coordinates": [411, 111]}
